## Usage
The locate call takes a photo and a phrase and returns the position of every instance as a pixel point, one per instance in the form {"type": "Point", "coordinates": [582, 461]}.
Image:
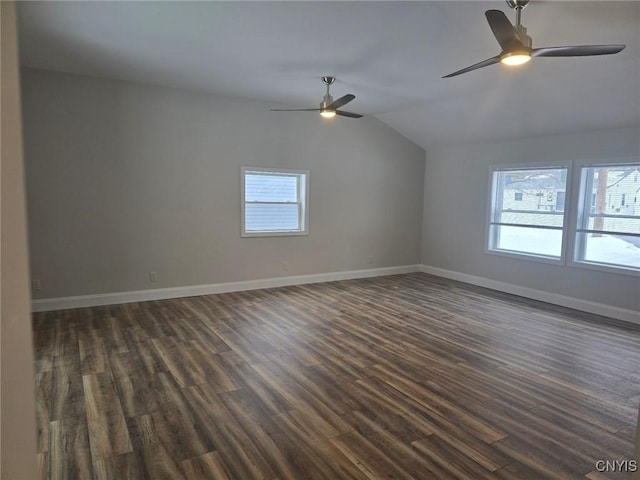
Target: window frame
{"type": "Point", "coordinates": [491, 213]}
{"type": "Point", "coordinates": [302, 185]}
{"type": "Point", "coordinates": [576, 245]}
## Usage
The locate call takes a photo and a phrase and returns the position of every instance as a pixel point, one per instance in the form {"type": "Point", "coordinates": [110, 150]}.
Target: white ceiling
{"type": "Point", "coordinates": [391, 55]}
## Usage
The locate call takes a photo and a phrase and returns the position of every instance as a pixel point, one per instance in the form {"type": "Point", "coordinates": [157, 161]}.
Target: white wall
{"type": "Point", "coordinates": [124, 178]}
{"type": "Point", "coordinates": [455, 203]}
{"type": "Point", "coordinates": [17, 402]}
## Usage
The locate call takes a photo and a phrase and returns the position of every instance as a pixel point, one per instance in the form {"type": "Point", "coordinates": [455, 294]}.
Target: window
{"type": "Point", "coordinates": [532, 214]}
{"type": "Point", "coordinates": [608, 227]}
{"type": "Point", "coordinates": [274, 202]}
{"type": "Point", "coordinates": [535, 225]}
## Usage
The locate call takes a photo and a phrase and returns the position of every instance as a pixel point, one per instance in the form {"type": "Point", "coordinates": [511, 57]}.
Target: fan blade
{"type": "Point", "coordinates": [341, 101]}
{"type": "Point", "coordinates": [577, 51]}
{"type": "Point", "coordinates": [484, 63]}
{"type": "Point", "coordinates": [348, 114]}
{"type": "Point", "coordinates": [502, 29]}
{"type": "Point", "coordinates": [295, 109]}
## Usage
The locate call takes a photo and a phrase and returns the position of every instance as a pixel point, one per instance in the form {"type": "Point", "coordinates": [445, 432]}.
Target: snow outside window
{"type": "Point", "coordinates": [274, 202]}
{"type": "Point", "coordinates": [527, 213]}
{"type": "Point", "coordinates": [608, 227]}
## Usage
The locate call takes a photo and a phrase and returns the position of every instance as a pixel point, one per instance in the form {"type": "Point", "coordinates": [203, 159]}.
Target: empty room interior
{"type": "Point", "coordinates": [320, 240]}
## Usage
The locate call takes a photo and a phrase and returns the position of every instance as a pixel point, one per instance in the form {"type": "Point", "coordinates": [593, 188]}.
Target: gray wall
{"type": "Point", "coordinates": [455, 214]}
{"type": "Point", "coordinates": [123, 179]}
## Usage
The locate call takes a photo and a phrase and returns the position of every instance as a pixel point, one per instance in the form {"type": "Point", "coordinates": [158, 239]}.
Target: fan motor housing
{"type": "Point", "coordinates": [326, 101]}
{"type": "Point", "coordinates": [522, 34]}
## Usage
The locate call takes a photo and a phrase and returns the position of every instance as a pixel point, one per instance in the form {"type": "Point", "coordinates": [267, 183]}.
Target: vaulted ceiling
{"type": "Point", "coordinates": [391, 55]}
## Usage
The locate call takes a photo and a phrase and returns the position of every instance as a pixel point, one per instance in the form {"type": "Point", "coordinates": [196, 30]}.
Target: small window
{"type": "Point", "coordinates": [274, 202]}
{"type": "Point", "coordinates": [535, 225]}
{"type": "Point", "coordinates": [606, 234]}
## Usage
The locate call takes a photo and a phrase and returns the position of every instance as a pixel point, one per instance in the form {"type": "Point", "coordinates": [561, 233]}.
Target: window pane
{"type": "Point", "coordinates": [537, 241]}
{"type": "Point", "coordinates": [531, 197]}
{"type": "Point", "coordinates": [612, 249]}
{"type": "Point", "coordinates": [270, 188]}
{"type": "Point", "coordinates": [534, 190]}
{"type": "Point", "coordinates": [271, 217]}
{"type": "Point", "coordinates": [614, 190]}
{"type": "Point", "coordinates": [609, 194]}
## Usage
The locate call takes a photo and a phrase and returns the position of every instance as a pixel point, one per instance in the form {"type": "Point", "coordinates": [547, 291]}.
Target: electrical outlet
{"type": "Point", "coordinates": [370, 260]}
{"type": "Point", "coordinates": [153, 276]}
{"type": "Point", "coordinates": [285, 266]}
{"type": "Point", "coordinates": [36, 285]}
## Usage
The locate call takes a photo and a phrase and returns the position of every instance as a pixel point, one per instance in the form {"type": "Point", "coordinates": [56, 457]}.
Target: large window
{"type": "Point", "coordinates": [608, 226]}
{"type": "Point", "coordinates": [274, 202]}
{"type": "Point", "coordinates": [527, 213]}
{"type": "Point", "coordinates": [597, 226]}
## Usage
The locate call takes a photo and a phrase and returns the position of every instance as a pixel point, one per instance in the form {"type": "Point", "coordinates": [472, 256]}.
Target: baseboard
{"type": "Point", "coordinates": [631, 316]}
{"type": "Point", "coordinates": [63, 303]}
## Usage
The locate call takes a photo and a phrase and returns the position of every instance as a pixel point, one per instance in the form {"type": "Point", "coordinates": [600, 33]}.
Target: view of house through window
{"type": "Point", "coordinates": [527, 211]}
{"type": "Point", "coordinates": [274, 202]}
{"type": "Point", "coordinates": [608, 231]}
{"type": "Point", "coordinates": [528, 214]}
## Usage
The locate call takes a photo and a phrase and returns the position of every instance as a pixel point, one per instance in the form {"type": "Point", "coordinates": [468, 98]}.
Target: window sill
{"type": "Point", "coordinates": [604, 267]}
{"type": "Point", "coordinates": [296, 233]}
{"type": "Point", "coordinates": [526, 256]}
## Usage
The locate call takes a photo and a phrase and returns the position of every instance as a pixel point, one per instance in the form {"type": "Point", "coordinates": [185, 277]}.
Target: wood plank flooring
{"type": "Point", "coordinates": [399, 377]}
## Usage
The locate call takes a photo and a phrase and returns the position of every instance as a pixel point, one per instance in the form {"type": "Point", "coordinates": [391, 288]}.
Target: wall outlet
{"type": "Point", "coordinates": [285, 266]}
{"type": "Point", "coordinates": [153, 276]}
{"type": "Point", "coordinates": [370, 260]}
{"type": "Point", "coordinates": [36, 285]}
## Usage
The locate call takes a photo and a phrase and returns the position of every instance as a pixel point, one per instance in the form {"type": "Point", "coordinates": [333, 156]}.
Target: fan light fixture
{"type": "Point", "coordinates": [328, 107]}
{"type": "Point", "coordinates": [517, 45]}
{"type": "Point", "coordinates": [516, 58]}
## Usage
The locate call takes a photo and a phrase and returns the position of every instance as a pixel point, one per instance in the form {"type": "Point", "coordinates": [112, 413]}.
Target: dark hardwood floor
{"type": "Point", "coordinates": [407, 376]}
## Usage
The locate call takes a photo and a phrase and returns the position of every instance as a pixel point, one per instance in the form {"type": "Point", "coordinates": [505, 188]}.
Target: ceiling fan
{"type": "Point", "coordinates": [328, 106]}
{"type": "Point", "coordinates": [516, 44]}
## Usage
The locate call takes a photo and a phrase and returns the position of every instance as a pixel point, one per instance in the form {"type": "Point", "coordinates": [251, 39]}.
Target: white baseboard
{"type": "Point", "coordinates": [62, 303]}
{"type": "Point", "coordinates": [631, 316]}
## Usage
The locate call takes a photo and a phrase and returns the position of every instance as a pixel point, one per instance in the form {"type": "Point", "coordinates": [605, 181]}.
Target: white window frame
{"type": "Point", "coordinates": [302, 201]}
{"type": "Point", "coordinates": [492, 207]}
{"type": "Point", "coordinates": [583, 205]}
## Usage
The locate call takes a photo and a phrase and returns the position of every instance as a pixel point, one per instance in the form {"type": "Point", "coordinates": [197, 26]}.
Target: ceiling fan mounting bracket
{"type": "Point", "coordinates": [327, 99]}
{"type": "Point", "coordinates": [519, 4]}
{"type": "Point", "coordinates": [327, 80]}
